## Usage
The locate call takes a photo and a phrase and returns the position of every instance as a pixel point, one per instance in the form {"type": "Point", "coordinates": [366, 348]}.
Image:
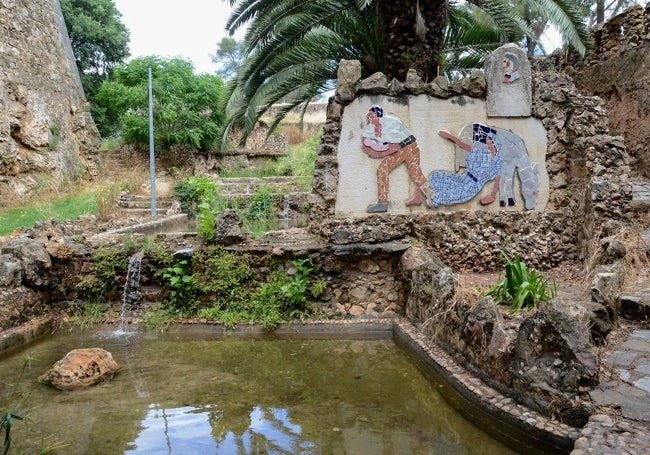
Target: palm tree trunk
{"type": "Point", "coordinates": [414, 33]}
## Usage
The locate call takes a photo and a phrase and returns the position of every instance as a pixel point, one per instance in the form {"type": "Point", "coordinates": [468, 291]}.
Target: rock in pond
{"type": "Point", "coordinates": [81, 368]}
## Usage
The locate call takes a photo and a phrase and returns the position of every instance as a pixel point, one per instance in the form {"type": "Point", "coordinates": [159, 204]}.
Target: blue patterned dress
{"type": "Point", "coordinates": [450, 188]}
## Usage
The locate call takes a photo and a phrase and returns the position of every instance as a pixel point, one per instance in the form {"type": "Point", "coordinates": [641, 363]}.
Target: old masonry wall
{"type": "Point", "coordinates": [46, 131]}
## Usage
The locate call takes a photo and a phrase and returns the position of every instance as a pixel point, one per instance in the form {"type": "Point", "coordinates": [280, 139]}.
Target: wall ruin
{"type": "Point", "coordinates": [46, 131]}
{"type": "Point", "coordinates": [617, 69]}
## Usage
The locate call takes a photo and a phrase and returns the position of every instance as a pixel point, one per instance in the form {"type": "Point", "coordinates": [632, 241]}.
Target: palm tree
{"type": "Point", "coordinates": [294, 46]}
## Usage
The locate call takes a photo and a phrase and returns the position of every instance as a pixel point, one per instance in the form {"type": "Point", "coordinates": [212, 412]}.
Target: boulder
{"type": "Point", "coordinates": [636, 308]}
{"type": "Point", "coordinates": [481, 321]}
{"type": "Point", "coordinates": [553, 361]}
{"type": "Point", "coordinates": [612, 250]}
{"type": "Point", "coordinates": [227, 228]}
{"type": "Point", "coordinates": [432, 284]}
{"type": "Point", "coordinates": [553, 347]}
{"type": "Point", "coordinates": [34, 260]}
{"type": "Point", "coordinates": [605, 289]}
{"type": "Point", "coordinates": [600, 322]}
{"type": "Point", "coordinates": [81, 368]}
{"type": "Point", "coordinates": [10, 271]}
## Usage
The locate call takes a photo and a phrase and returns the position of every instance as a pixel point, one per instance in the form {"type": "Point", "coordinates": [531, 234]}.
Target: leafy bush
{"type": "Point", "coordinates": [109, 265]}
{"type": "Point", "coordinates": [236, 295]}
{"type": "Point", "coordinates": [179, 277]}
{"type": "Point", "coordinates": [191, 192]}
{"type": "Point", "coordinates": [186, 106]}
{"type": "Point", "coordinates": [522, 287]}
{"type": "Point", "coordinates": [260, 217]}
{"type": "Point", "coordinates": [221, 276]}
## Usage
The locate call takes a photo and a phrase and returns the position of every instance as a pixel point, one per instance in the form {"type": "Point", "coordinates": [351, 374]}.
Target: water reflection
{"type": "Point", "coordinates": [181, 394]}
{"type": "Point", "coordinates": [204, 430]}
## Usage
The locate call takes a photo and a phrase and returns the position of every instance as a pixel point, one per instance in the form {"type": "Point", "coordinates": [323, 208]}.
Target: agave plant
{"type": "Point", "coordinates": [6, 422]}
{"type": "Point", "coordinates": [522, 287]}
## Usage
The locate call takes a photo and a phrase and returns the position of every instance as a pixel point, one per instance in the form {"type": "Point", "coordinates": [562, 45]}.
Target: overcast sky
{"type": "Point", "coordinates": [175, 28]}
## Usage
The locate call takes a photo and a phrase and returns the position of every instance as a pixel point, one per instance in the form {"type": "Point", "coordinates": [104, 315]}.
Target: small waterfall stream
{"type": "Point", "coordinates": [131, 295]}
{"type": "Point", "coordinates": [283, 219]}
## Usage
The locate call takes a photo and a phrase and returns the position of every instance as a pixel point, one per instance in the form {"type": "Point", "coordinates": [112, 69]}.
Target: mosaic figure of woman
{"type": "Point", "coordinates": [484, 163]}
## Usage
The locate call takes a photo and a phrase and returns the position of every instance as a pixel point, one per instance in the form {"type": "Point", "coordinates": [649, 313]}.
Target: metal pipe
{"type": "Point", "coordinates": [152, 159]}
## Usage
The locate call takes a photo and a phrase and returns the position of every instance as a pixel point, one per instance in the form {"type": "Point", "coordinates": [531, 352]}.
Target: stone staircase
{"type": "Point", "coordinates": [244, 187]}
{"type": "Point", "coordinates": [291, 195]}
{"type": "Point", "coordinates": [140, 206]}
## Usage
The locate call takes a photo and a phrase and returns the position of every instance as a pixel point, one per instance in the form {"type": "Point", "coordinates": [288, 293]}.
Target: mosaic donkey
{"type": "Point", "coordinates": [515, 158]}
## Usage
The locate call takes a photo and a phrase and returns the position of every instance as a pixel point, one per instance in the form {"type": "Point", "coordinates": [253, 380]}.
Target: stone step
{"type": "Point", "coordinates": [641, 196]}
{"type": "Point", "coordinates": [142, 212]}
{"type": "Point", "coordinates": [166, 203]}
{"type": "Point", "coordinates": [137, 201]}
{"type": "Point", "coordinates": [248, 186]}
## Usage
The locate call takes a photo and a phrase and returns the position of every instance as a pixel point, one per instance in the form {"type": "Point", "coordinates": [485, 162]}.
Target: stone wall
{"type": "Point", "coordinates": [617, 69]}
{"type": "Point", "coordinates": [587, 170]}
{"type": "Point", "coordinates": [46, 132]}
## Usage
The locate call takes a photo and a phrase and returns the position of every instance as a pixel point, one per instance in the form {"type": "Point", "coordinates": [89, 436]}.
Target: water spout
{"type": "Point", "coordinates": [131, 295]}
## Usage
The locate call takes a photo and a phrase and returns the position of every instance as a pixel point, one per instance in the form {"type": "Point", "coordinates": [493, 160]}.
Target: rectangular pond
{"type": "Point", "coordinates": [200, 393]}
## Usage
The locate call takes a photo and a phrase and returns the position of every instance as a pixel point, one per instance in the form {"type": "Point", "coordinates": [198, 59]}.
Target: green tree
{"type": "Point", "coordinates": [99, 39]}
{"type": "Point", "coordinates": [599, 11]}
{"type": "Point", "coordinates": [229, 57]}
{"type": "Point", "coordinates": [295, 45]}
{"type": "Point", "coordinates": [186, 105]}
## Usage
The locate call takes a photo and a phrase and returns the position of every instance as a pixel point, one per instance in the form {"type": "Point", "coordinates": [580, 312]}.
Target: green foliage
{"type": "Point", "coordinates": [265, 168]}
{"type": "Point", "coordinates": [261, 204]}
{"type": "Point", "coordinates": [86, 313]}
{"type": "Point", "coordinates": [109, 265]}
{"type": "Point", "coordinates": [223, 286]}
{"type": "Point", "coordinates": [522, 288]}
{"type": "Point", "coordinates": [221, 275]}
{"type": "Point", "coordinates": [186, 105]}
{"type": "Point", "coordinates": [296, 288]}
{"type": "Point", "coordinates": [302, 156]}
{"type": "Point", "coordinates": [179, 278]}
{"type": "Point", "coordinates": [64, 208]}
{"type": "Point", "coordinates": [55, 136]}
{"type": "Point", "coordinates": [194, 191]}
{"type": "Point", "coordinates": [157, 319]}
{"type": "Point", "coordinates": [229, 57]}
{"type": "Point", "coordinates": [99, 42]}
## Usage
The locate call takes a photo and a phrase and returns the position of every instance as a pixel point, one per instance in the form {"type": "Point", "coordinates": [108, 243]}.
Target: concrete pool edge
{"type": "Point", "coordinates": [515, 425]}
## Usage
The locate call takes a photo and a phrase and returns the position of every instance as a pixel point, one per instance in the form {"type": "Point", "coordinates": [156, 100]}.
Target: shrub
{"type": "Point", "coordinates": [186, 106]}
{"type": "Point", "coordinates": [194, 191]}
{"type": "Point", "coordinates": [179, 277]}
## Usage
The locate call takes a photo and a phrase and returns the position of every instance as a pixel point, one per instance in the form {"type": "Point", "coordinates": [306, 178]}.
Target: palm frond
{"type": "Point", "coordinates": [567, 17]}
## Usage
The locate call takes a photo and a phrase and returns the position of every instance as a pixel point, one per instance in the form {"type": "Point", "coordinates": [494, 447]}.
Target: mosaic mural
{"type": "Point", "coordinates": [484, 154]}
{"type": "Point", "coordinates": [387, 138]}
{"type": "Point", "coordinates": [510, 68]}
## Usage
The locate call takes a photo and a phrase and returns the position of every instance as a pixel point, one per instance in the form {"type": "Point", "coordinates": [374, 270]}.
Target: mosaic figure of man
{"type": "Point", "coordinates": [510, 67]}
{"type": "Point", "coordinates": [386, 137]}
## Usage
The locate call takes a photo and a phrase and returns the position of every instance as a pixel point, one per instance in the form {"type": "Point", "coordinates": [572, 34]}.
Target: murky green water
{"type": "Point", "coordinates": [188, 395]}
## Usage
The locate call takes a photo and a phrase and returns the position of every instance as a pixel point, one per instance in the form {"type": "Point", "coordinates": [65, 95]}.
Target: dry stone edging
{"type": "Point", "coordinates": [550, 434]}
